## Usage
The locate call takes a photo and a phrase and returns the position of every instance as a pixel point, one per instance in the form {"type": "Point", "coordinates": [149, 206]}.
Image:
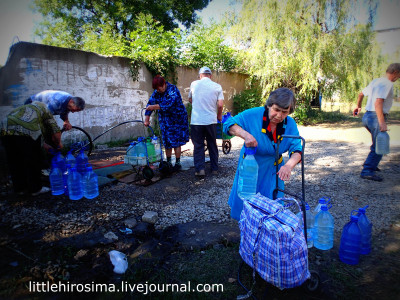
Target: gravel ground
{"type": "Point", "coordinates": [331, 170]}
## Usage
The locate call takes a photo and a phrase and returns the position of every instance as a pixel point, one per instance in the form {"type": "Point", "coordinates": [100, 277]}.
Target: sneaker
{"type": "Point", "coordinates": [372, 177]}
{"type": "Point", "coordinates": [200, 173]}
{"type": "Point", "coordinates": [44, 189]}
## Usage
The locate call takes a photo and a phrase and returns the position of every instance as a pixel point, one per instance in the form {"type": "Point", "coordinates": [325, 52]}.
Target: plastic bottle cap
{"type": "Point", "coordinates": [324, 208]}
{"type": "Point", "coordinates": [322, 200]}
{"type": "Point", "coordinates": [307, 207]}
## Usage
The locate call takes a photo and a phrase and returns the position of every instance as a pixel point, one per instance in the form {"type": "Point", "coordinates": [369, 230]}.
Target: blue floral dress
{"type": "Point", "coordinates": [172, 116]}
{"type": "Point", "coordinates": [256, 122]}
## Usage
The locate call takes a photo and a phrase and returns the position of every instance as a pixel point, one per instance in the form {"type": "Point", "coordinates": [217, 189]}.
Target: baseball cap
{"type": "Point", "coordinates": [205, 70]}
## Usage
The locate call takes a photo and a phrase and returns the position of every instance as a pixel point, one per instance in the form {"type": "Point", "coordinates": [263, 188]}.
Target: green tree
{"type": "Point", "coordinates": [67, 21]}
{"type": "Point", "coordinates": [309, 46]}
{"type": "Point", "coordinates": [205, 45]}
{"type": "Point", "coordinates": [155, 46]}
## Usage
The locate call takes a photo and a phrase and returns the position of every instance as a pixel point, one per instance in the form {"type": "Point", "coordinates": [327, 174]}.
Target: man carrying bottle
{"type": "Point", "coordinates": [380, 100]}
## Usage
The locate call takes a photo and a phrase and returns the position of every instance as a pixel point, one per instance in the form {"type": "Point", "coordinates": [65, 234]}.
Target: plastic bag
{"type": "Point", "coordinates": [119, 261]}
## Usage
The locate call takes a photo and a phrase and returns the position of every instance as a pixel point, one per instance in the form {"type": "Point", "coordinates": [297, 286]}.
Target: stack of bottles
{"type": "Point", "coordinates": [248, 175]}
{"type": "Point", "coordinates": [138, 151]}
{"type": "Point", "coordinates": [73, 177]}
{"type": "Point", "coordinates": [356, 237]}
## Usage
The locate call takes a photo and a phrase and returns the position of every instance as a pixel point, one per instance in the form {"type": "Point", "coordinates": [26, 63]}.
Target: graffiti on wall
{"type": "Point", "coordinates": [110, 93]}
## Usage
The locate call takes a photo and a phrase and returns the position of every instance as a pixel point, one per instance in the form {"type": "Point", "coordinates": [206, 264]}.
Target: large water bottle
{"type": "Point", "coordinates": [59, 160]}
{"type": "Point", "coordinates": [81, 162]}
{"type": "Point", "coordinates": [382, 145]}
{"type": "Point", "coordinates": [157, 147]}
{"type": "Point", "coordinates": [323, 229]}
{"type": "Point", "coordinates": [151, 152]}
{"type": "Point", "coordinates": [65, 179]}
{"type": "Point", "coordinates": [350, 242]}
{"type": "Point", "coordinates": [70, 159]}
{"type": "Point", "coordinates": [56, 180]}
{"type": "Point", "coordinates": [321, 201]}
{"type": "Point", "coordinates": [75, 188]}
{"type": "Point", "coordinates": [90, 184]}
{"type": "Point", "coordinates": [310, 225]}
{"type": "Point", "coordinates": [141, 152]}
{"type": "Point", "coordinates": [248, 174]}
{"type": "Point", "coordinates": [366, 231]}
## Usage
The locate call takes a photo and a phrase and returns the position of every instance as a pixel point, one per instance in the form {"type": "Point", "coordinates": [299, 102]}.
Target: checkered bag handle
{"type": "Point", "coordinates": [282, 218]}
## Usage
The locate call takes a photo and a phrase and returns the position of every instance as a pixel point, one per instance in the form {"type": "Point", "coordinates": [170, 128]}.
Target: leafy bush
{"type": "Point", "coordinates": [247, 99]}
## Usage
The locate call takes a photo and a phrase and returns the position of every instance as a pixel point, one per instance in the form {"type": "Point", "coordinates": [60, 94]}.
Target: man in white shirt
{"type": "Point", "coordinates": [207, 99]}
{"type": "Point", "coordinates": [380, 100]}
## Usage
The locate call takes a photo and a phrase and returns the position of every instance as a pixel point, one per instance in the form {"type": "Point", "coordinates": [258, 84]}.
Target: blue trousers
{"type": "Point", "coordinates": [198, 134]}
{"type": "Point", "coordinates": [370, 121]}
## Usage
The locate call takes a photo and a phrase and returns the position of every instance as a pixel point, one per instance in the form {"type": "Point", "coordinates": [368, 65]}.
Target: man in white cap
{"type": "Point", "coordinates": [207, 101]}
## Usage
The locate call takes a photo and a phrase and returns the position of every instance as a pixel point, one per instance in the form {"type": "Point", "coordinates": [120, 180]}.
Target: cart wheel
{"type": "Point", "coordinates": [226, 147]}
{"type": "Point", "coordinates": [165, 167]}
{"type": "Point", "coordinates": [312, 284]}
{"type": "Point", "coordinates": [147, 173]}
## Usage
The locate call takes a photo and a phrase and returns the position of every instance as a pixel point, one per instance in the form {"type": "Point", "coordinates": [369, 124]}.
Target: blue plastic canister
{"type": "Point", "coordinates": [75, 188]}
{"type": "Point", "coordinates": [81, 162]}
{"type": "Point", "coordinates": [350, 242]}
{"type": "Point", "coordinates": [56, 180]}
{"type": "Point", "coordinates": [90, 184]}
{"type": "Point", "coordinates": [248, 175]}
{"type": "Point", "coordinates": [366, 231]}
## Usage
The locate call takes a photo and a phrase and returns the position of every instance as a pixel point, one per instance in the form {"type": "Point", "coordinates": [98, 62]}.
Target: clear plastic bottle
{"type": "Point", "coordinates": [90, 184]}
{"type": "Point", "coordinates": [81, 162]}
{"type": "Point", "coordinates": [75, 188]}
{"type": "Point", "coordinates": [59, 160]}
{"type": "Point", "coordinates": [56, 180]}
{"type": "Point", "coordinates": [310, 225]}
{"type": "Point", "coordinates": [323, 229]}
{"type": "Point", "coordinates": [382, 145]}
{"type": "Point", "coordinates": [321, 202]}
{"type": "Point", "coordinates": [157, 147]}
{"type": "Point", "coordinates": [65, 179]}
{"type": "Point", "coordinates": [366, 231]}
{"type": "Point", "coordinates": [70, 159]}
{"type": "Point", "coordinates": [248, 175]}
{"type": "Point", "coordinates": [141, 152]}
{"type": "Point", "coordinates": [350, 242]}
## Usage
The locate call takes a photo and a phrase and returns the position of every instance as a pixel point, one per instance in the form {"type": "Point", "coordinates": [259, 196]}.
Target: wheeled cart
{"type": "Point", "coordinates": [311, 284]}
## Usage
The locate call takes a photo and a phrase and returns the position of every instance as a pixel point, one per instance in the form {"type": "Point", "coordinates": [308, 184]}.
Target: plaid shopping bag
{"type": "Point", "coordinates": [272, 242]}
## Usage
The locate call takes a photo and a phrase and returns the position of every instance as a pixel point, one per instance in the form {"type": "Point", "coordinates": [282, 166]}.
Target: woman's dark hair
{"type": "Point", "coordinates": [283, 97]}
{"type": "Point", "coordinates": [158, 81]}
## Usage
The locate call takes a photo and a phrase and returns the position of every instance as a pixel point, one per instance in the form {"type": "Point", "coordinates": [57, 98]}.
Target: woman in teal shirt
{"type": "Point", "coordinates": [261, 127]}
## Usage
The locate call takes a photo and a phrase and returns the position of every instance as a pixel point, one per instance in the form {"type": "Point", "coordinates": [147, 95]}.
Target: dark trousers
{"type": "Point", "coordinates": [24, 162]}
{"type": "Point", "coordinates": [198, 134]}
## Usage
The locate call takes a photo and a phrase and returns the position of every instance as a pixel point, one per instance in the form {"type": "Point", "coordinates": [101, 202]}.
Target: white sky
{"type": "Point", "coordinates": [17, 19]}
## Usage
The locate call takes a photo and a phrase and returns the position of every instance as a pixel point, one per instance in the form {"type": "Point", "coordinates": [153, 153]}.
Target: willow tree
{"type": "Point", "coordinates": [310, 46]}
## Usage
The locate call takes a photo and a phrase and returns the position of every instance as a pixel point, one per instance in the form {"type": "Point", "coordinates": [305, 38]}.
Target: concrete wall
{"type": "Point", "coordinates": [105, 83]}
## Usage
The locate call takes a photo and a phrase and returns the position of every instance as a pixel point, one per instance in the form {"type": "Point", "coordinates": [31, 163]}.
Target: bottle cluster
{"type": "Point", "coordinates": [73, 176]}
{"type": "Point", "coordinates": [142, 150]}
